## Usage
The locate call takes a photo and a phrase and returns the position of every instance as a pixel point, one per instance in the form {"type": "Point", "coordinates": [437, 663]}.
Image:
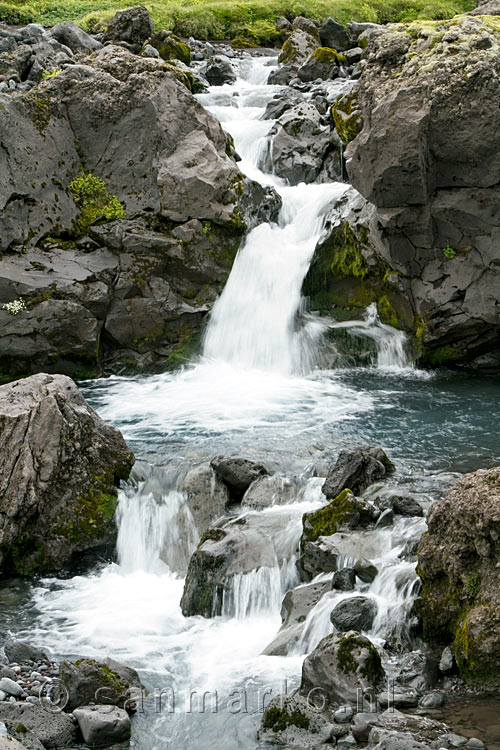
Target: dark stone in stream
{"type": "Point", "coordinates": [357, 613]}
{"type": "Point", "coordinates": [344, 579]}
{"type": "Point", "coordinates": [404, 505]}
{"type": "Point", "coordinates": [356, 470]}
{"type": "Point", "coordinates": [219, 71]}
{"type": "Point", "coordinates": [53, 730]}
{"type": "Point", "coordinates": [238, 473]}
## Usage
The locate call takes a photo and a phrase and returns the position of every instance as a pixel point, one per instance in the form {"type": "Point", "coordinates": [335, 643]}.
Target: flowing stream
{"type": "Point", "coordinates": [259, 391]}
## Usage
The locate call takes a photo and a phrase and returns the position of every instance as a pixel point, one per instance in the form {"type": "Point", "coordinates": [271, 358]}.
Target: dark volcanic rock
{"type": "Point", "coordinates": [333, 34]}
{"type": "Point", "coordinates": [237, 472]}
{"type": "Point", "coordinates": [357, 613]}
{"type": "Point", "coordinates": [53, 730]}
{"type": "Point", "coordinates": [458, 564]}
{"type": "Point", "coordinates": [356, 470]}
{"type": "Point", "coordinates": [59, 468]}
{"type": "Point", "coordinates": [90, 681]}
{"type": "Point", "coordinates": [219, 71]}
{"type": "Point", "coordinates": [74, 37]}
{"type": "Point", "coordinates": [133, 25]}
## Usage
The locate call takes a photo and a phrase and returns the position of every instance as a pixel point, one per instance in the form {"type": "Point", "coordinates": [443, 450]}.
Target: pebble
{"type": "Point", "coordinates": [343, 714]}
{"type": "Point", "coordinates": [10, 687]}
{"type": "Point", "coordinates": [457, 740]}
{"type": "Point", "coordinates": [3, 696]}
{"type": "Point", "coordinates": [431, 700]}
{"type": "Point", "coordinates": [475, 744]}
{"type": "Point", "coordinates": [3, 728]}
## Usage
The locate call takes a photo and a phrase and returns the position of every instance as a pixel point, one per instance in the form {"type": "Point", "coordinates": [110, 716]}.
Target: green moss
{"type": "Point", "coordinates": [449, 252]}
{"type": "Point", "coordinates": [347, 116]}
{"type": "Point", "coordinates": [347, 258]}
{"type": "Point", "coordinates": [94, 201]}
{"type": "Point", "coordinates": [40, 110]}
{"type": "Point", "coordinates": [279, 719]}
{"type": "Point", "coordinates": [443, 355]}
{"type": "Point", "coordinates": [188, 347]}
{"type": "Point", "coordinates": [22, 729]}
{"type": "Point", "coordinates": [386, 311]}
{"type": "Point", "coordinates": [329, 519]}
{"type": "Point", "coordinates": [346, 660]}
{"type": "Point", "coordinates": [328, 55]}
{"type": "Point", "coordinates": [94, 511]}
{"type": "Point", "coordinates": [104, 674]}
{"type": "Point", "coordinates": [371, 669]}
{"type": "Point", "coordinates": [213, 535]}
{"type": "Point", "coordinates": [172, 48]}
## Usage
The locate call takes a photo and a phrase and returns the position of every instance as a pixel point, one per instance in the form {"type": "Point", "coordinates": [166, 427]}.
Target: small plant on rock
{"type": "Point", "coordinates": [94, 201]}
{"type": "Point", "coordinates": [14, 308]}
{"type": "Point", "coordinates": [449, 252]}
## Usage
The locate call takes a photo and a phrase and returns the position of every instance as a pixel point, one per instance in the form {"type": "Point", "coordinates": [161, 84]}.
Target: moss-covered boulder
{"type": "Point", "coordinates": [171, 47]}
{"type": "Point", "coordinates": [458, 562]}
{"type": "Point", "coordinates": [60, 466]}
{"type": "Point", "coordinates": [294, 721]}
{"type": "Point", "coordinates": [299, 46]}
{"type": "Point", "coordinates": [103, 682]}
{"type": "Point", "coordinates": [324, 63]}
{"type": "Point", "coordinates": [341, 669]}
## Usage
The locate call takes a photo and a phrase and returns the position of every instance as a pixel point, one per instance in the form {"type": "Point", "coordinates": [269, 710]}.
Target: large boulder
{"type": "Point", "coordinates": [219, 71]}
{"type": "Point", "coordinates": [341, 669]}
{"type": "Point", "coordinates": [302, 148]}
{"type": "Point", "coordinates": [333, 34]}
{"type": "Point", "coordinates": [458, 563]}
{"type": "Point", "coordinates": [133, 25]}
{"type": "Point", "coordinates": [299, 46]}
{"type": "Point", "coordinates": [60, 465]}
{"type": "Point", "coordinates": [108, 682]}
{"type": "Point", "coordinates": [324, 63]}
{"type": "Point", "coordinates": [52, 728]}
{"type": "Point", "coordinates": [207, 496]}
{"type": "Point", "coordinates": [74, 37]}
{"type": "Point", "coordinates": [435, 187]}
{"type": "Point", "coordinates": [356, 470]}
{"type": "Point", "coordinates": [293, 721]}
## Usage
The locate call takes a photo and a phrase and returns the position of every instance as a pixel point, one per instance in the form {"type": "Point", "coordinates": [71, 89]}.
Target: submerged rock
{"type": "Point", "coordinates": [341, 666]}
{"type": "Point", "coordinates": [458, 563]}
{"type": "Point", "coordinates": [207, 496]}
{"type": "Point", "coordinates": [60, 465]}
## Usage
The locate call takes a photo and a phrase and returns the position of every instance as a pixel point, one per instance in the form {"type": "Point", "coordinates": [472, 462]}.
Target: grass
{"type": "Point", "coordinates": [225, 19]}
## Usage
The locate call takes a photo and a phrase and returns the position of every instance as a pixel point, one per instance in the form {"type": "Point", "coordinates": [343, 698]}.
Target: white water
{"type": "Point", "coordinates": [253, 384]}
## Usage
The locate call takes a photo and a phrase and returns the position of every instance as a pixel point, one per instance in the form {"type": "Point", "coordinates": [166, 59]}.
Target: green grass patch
{"type": "Point", "coordinates": [226, 19]}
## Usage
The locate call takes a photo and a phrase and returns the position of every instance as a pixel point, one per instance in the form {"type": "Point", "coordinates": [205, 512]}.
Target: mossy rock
{"type": "Point", "coordinates": [347, 116]}
{"type": "Point", "coordinates": [327, 56]}
{"type": "Point", "coordinates": [329, 519]}
{"type": "Point", "coordinates": [171, 47]}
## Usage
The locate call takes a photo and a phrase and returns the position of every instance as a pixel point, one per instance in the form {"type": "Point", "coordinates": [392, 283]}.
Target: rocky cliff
{"type": "Point", "coordinates": [121, 211]}
{"type": "Point", "coordinates": [421, 128]}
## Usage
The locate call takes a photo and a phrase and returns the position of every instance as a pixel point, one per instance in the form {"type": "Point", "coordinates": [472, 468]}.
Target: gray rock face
{"type": "Point", "coordinates": [74, 37]}
{"type": "Point", "coordinates": [53, 730]}
{"type": "Point", "coordinates": [303, 149]}
{"type": "Point", "coordinates": [238, 473]}
{"type": "Point", "coordinates": [333, 34]}
{"type": "Point", "coordinates": [207, 496]}
{"type": "Point", "coordinates": [102, 725]}
{"type": "Point", "coordinates": [356, 470]}
{"type": "Point", "coordinates": [219, 71]}
{"type": "Point", "coordinates": [296, 606]}
{"type": "Point", "coordinates": [269, 490]}
{"type": "Point", "coordinates": [320, 556]}
{"type": "Point", "coordinates": [133, 25]}
{"type": "Point", "coordinates": [337, 669]}
{"type": "Point", "coordinates": [344, 579]}
{"type": "Point", "coordinates": [90, 681]}
{"type": "Point", "coordinates": [357, 613]}
{"type": "Point", "coordinates": [280, 103]}
{"type": "Point", "coordinates": [221, 555]}
{"type": "Point", "coordinates": [299, 46]}
{"type": "Point", "coordinates": [59, 485]}
{"type": "Point", "coordinates": [436, 192]}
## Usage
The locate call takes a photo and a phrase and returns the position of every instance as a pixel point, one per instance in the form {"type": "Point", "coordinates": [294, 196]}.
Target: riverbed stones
{"type": "Point", "coordinates": [293, 721]}
{"type": "Point", "coordinates": [341, 666]}
{"type": "Point", "coordinates": [90, 681]}
{"type": "Point", "coordinates": [53, 730]}
{"type": "Point", "coordinates": [10, 687]}
{"type": "Point", "coordinates": [355, 613]}
{"type": "Point", "coordinates": [59, 485]}
{"type": "Point", "coordinates": [277, 489]}
{"type": "Point", "coordinates": [103, 725]}
{"type": "Point", "coordinates": [356, 470]}
{"type": "Point", "coordinates": [457, 562]}
{"type": "Point", "coordinates": [238, 473]}
{"type": "Point", "coordinates": [219, 71]}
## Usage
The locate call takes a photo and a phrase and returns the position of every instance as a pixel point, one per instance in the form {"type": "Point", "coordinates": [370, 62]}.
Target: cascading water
{"type": "Point", "coordinates": [255, 392]}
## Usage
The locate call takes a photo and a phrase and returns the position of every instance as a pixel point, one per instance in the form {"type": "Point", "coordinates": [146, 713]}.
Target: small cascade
{"type": "Point", "coordinates": [156, 530]}
{"type": "Point", "coordinates": [258, 592]}
{"type": "Point", "coordinates": [392, 348]}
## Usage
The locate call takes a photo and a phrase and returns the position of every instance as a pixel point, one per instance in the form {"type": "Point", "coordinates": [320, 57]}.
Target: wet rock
{"type": "Point", "coordinates": [361, 732]}
{"type": "Point", "coordinates": [302, 148]}
{"type": "Point", "coordinates": [333, 34]}
{"type": "Point", "coordinates": [108, 682]}
{"type": "Point", "coordinates": [474, 743]}
{"type": "Point", "coordinates": [222, 554]}
{"type": "Point", "coordinates": [280, 103]}
{"type": "Point", "coordinates": [292, 721]}
{"type": "Point", "coordinates": [386, 518]}
{"type": "Point", "coordinates": [357, 613]}
{"type": "Point", "coordinates": [459, 602]}
{"type": "Point", "coordinates": [446, 662]}
{"type": "Point", "coordinates": [55, 500]}
{"type": "Point", "coordinates": [207, 496]}
{"type": "Point", "coordinates": [277, 489]}
{"type": "Point", "coordinates": [101, 725]}
{"type": "Point", "coordinates": [10, 687]}
{"type": "Point", "coordinates": [238, 473]}
{"type": "Point", "coordinates": [53, 730]}
{"type": "Point", "coordinates": [74, 37]}
{"type": "Point", "coordinates": [219, 71]}
{"type": "Point", "coordinates": [394, 699]}
{"type": "Point", "coordinates": [431, 700]}
{"type": "Point", "coordinates": [365, 570]}
{"type": "Point", "coordinates": [170, 47]}
{"type": "Point", "coordinates": [282, 75]}
{"type": "Point", "coordinates": [340, 666]}
{"type": "Point", "coordinates": [383, 739]}
{"type": "Point", "coordinates": [356, 470]}
{"type": "Point", "coordinates": [344, 579]}
{"type": "Point", "coordinates": [404, 505]}
{"type": "Point", "coordinates": [133, 25]}
{"type": "Point", "coordinates": [316, 557]}
{"type": "Point", "coordinates": [343, 714]}
{"type": "Point", "coordinates": [20, 652]}
{"type": "Point", "coordinates": [259, 204]}
{"type": "Point", "coordinates": [297, 604]}
{"type": "Point", "coordinates": [343, 513]}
